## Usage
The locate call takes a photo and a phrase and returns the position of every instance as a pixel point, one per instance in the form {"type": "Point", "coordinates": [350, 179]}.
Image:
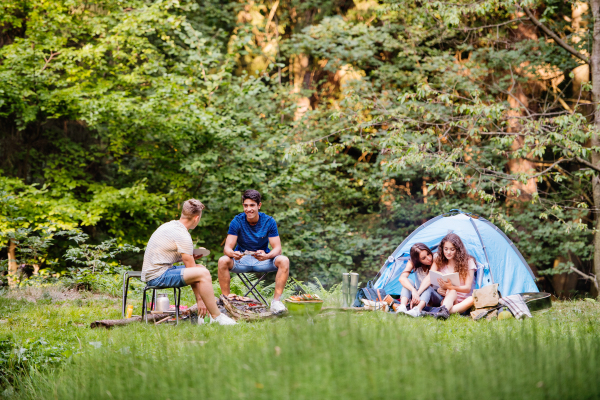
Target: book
{"type": "Point", "coordinates": [201, 251]}
{"type": "Point", "coordinates": [435, 275]}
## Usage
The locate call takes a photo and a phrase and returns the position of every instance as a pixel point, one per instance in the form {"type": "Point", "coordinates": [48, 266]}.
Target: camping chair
{"type": "Point", "coordinates": [126, 277]}
{"type": "Point", "coordinates": [176, 296]}
{"type": "Point", "coordinates": [252, 288]}
{"type": "Point", "coordinates": [138, 274]}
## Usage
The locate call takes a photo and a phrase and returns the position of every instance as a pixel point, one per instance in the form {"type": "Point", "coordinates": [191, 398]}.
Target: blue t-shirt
{"type": "Point", "coordinates": [255, 237]}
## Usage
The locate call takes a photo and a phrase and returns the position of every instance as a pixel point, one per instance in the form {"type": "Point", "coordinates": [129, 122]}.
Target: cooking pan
{"type": "Point", "coordinates": [537, 301]}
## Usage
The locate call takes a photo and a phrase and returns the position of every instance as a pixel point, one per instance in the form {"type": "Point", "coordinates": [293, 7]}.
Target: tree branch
{"type": "Point", "coordinates": [586, 276]}
{"type": "Point", "coordinates": [554, 36]}
{"type": "Point", "coordinates": [588, 164]}
{"type": "Point", "coordinates": [490, 26]}
{"type": "Point", "coordinates": [579, 159]}
{"type": "Point", "coordinates": [47, 60]}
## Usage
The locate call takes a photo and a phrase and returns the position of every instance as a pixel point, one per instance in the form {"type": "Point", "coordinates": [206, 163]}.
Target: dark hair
{"type": "Point", "coordinates": [415, 252]}
{"type": "Point", "coordinates": [252, 195]}
{"type": "Point", "coordinates": [461, 258]}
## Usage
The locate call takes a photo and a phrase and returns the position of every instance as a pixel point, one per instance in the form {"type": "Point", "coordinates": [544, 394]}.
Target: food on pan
{"type": "Point", "coordinates": [304, 297]}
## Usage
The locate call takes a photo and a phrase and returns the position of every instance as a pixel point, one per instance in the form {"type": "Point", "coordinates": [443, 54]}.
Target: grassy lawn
{"type": "Point", "coordinates": [335, 355]}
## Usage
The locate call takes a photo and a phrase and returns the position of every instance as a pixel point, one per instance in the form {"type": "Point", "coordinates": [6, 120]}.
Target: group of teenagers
{"type": "Point", "coordinates": [246, 249]}
{"type": "Point", "coordinates": [444, 297]}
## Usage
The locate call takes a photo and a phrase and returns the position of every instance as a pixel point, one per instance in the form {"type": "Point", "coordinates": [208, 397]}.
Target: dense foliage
{"type": "Point", "coordinates": [358, 121]}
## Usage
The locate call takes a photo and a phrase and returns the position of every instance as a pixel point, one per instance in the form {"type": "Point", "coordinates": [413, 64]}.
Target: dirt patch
{"type": "Point", "coordinates": [53, 293]}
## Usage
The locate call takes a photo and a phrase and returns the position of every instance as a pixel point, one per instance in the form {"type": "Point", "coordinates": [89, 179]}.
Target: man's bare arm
{"type": "Point", "coordinates": [230, 243]}
{"type": "Point", "coordinates": [190, 261]}
{"type": "Point", "coordinates": [275, 243]}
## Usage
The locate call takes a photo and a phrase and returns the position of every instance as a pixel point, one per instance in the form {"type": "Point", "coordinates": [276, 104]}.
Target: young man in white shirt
{"type": "Point", "coordinates": [172, 243]}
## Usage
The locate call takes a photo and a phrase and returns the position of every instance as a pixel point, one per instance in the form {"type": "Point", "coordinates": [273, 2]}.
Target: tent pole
{"type": "Point", "coordinates": [484, 250]}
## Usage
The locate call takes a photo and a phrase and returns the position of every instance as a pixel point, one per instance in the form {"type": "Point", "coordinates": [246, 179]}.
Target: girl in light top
{"type": "Point", "coordinates": [421, 260]}
{"type": "Point", "coordinates": [453, 257]}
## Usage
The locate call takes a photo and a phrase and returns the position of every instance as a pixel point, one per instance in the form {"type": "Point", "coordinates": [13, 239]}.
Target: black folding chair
{"type": "Point", "coordinates": [126, 277]}
{"type": "Point", "coordinates": [176, 296]}
{"type": "Point", "coordinates": [138, 274]}
{"type": "Point", "coordinates": [252, 287]}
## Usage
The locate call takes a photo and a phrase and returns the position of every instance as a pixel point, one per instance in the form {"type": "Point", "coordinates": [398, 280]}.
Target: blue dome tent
{"type": "Point", "coordinates": [498, 260]}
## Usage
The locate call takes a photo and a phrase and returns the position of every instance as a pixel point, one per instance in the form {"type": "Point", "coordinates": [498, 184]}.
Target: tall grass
{"type": "Point", "coordinates": [336, 356]}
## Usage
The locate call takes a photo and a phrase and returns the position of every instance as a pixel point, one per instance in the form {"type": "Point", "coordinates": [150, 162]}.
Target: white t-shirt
{"type": "Point", "coordinates": [165, 247]}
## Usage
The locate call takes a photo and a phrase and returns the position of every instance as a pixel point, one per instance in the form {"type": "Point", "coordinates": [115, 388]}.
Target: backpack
{"type": "Point", "coordinates": [369, 293]}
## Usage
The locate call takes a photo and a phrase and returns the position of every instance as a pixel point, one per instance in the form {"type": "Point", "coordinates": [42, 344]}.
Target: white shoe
{"type": "Point", "coordinates": [222, 319]}
{"type": "Point", "coordinates": [414, 312]}
{"type": "Point", "coordinates": [401, 309]}
{"type": "Point", "coordinates": [277, 307]}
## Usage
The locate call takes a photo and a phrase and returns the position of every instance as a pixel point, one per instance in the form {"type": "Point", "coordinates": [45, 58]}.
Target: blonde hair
{"type": "Point", "coordinates": [191, 208]}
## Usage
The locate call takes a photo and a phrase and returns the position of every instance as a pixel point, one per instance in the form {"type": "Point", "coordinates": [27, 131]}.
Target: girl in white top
{"type": "Point", "coordinates": [419, 294]}
{"type": "Point", "coordinates": [453, 257]}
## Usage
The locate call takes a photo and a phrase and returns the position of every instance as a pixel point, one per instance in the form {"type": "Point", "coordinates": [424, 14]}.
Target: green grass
{"type": "Point", "coordinates": [366, 355]}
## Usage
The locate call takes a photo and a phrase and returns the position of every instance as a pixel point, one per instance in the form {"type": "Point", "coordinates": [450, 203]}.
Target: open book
{"type": "Point", "coordinates": [435, 275]}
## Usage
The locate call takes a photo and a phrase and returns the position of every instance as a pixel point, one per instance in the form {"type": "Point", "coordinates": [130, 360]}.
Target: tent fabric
{"type": "Point", "coordinates": [498, 259]}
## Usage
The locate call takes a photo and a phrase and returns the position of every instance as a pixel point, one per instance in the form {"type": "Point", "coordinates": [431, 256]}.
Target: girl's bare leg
{"type": "Point", "coordinates": [404, 301]}
{"type": "Point", "coordinates": [448, 301]}
{"type": "Point", "coordinates": [462, 306]}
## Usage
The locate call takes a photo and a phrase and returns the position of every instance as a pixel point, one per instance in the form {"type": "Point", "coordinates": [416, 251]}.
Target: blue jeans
{"type": "Point", "coordinates": [171, 278]}
{"type": "Point", "coordinates": [425, 296]}
{"type": "Point", "coordinates": [251, 264]}
{"type": "Point", "coordinates": [429, 296]}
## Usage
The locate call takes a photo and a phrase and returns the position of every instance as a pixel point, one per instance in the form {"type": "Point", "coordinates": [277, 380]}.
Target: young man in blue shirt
{"type": "Point", "coordinates": [254, 231]}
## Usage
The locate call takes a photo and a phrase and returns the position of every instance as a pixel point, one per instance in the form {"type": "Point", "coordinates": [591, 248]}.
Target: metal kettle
{"type": "Point", "coordinates": [162, 303]}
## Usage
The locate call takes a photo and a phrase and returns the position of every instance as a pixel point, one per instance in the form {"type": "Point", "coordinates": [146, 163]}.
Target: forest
{"type": "Point", "coordinates": [357, 120]}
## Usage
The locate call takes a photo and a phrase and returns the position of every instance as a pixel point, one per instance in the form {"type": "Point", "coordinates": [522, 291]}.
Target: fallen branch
{"type": "Point", "coordinates": [162, 320]}
{"type": "Point", "coordinates": [238, 314]}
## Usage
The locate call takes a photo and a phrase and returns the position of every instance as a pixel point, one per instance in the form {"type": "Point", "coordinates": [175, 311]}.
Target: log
{"type": "Point", "coordinates": [109, 323]}
{"type": "Point", "coordinates": [357, 309]}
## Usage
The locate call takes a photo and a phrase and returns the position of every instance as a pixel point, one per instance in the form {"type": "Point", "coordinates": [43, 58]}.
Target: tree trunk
{"type": "Point", "coordinates": [517, 101]}
{"type": "Point", "coordinates": [581, 74]}
{"type": "Point", "coordinates": [299, 67]}
{"type": "Point", "coordinates": [12, 264]}
{"type": "Point", "coordinates": [595, 75]}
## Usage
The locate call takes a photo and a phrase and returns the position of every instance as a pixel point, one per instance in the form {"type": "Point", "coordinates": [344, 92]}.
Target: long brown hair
{"type": "Point", "coordinates": [461, 257]}
{"type": "Point", "coordinates": [415, 252]}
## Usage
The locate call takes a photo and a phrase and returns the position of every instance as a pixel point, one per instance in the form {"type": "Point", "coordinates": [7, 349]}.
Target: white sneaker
{"type": "Point", "coordinates": [401, 309]}
{"type": "Point", "coordinates": [414, 312]}
{"type": "Point", "coordinates": [222, 319]}
{"type": "Point", "coordinates": [277, 307]}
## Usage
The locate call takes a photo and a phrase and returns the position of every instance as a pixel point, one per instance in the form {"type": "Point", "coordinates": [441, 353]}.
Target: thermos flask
{"type": "Point", "coordinates": [345, 289]}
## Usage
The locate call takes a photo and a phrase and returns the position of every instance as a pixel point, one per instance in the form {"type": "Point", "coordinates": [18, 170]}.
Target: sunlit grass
{"type": "Point", "coordinates": [365, 355]}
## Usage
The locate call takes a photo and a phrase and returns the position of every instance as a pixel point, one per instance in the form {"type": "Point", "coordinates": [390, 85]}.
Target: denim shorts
{"type": "Point", "coordinates": [171, 278]}
{"type": "Point", "coordinates": [251, 264]}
